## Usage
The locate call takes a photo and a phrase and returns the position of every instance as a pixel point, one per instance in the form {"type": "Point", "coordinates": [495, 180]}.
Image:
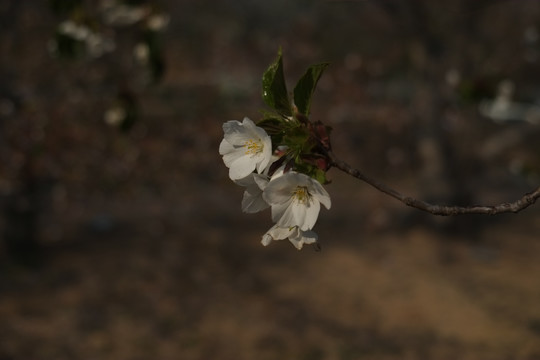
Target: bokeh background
{"type": "Point", "coordinates": [125, 240]}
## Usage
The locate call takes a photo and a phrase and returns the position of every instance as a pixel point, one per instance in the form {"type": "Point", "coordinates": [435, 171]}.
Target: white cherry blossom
{"type": "Point", "coordinates": [295, 199]}
{"type": "Point", "coordinates": [296, 236]}
{"type": "Point", "coordinates": [245, 147]}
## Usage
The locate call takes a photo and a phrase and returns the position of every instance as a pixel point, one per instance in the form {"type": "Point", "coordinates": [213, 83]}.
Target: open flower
{"type": "Point", "coordinates": [245, 147]}
{"type": "Point", "coordinates": [296, 236]}
{"type": "Point", "coordinates": [295, 199]}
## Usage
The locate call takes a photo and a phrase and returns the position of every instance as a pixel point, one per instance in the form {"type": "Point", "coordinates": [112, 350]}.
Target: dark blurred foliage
{"type": "Point", "coordinates": [64, 7]}
{"type": "Point", "coordinates": [106, 36]}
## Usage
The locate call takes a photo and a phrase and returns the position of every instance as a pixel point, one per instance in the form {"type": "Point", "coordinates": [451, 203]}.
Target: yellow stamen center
{"type": "Point", "coordinates": [253, 147]}
{"type": "Point", "coordinates": [301, 194]}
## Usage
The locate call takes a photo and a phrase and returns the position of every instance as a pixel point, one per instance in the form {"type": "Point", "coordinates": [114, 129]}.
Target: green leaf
{"type": "Point", "coordinates": [305, 87]}
{"type": "Point", "coordinates": [274, 89]}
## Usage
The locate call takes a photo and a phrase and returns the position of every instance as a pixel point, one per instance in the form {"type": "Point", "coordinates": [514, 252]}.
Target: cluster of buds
{"type": "Point", "coordinates": [282, 160]}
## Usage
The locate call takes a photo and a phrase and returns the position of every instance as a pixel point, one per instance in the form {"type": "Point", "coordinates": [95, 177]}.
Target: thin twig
{"type": "Point", "coordinates": [516, 206]}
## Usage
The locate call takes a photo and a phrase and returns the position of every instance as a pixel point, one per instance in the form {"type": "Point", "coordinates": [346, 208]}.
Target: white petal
{"type": "Point", "coordinates": [225, 147]}
{"type": "Point", "coordinates": [279, 233]}
{"type": "Point", "coordinates": [278, 172]}
{"type": "Point", "coordinates": [275, 233]}
{"type": "Point", "coordinates": [246, 181]}
{"type": "Point", "coordinates": [309, 237]}
{"type": "Point", "coordinates": [266, 240]}
{"type": "Point", "coordinates": [248, 123]}
{"type": "Point", "coordinates": [252, 204]}
{"type": "Point", "coordinates": [279, 191]}
{"type": "Point", "coordinates": [292, 215]}
{"type": "Point", "coordinates": [238, 139]}
{"type": "Point", "coordinates": [311, 214]}
{"type": "Point", "coordinates": [294, 179]}
{"type": "Point", "coordinates": [232, 156]}
{"type": "Point", "coordinates": [298, 238]}
{"type": "Point", "coordinates": [266, 154]}
{"type": "Point", "coordinates": [303, 215]}
{"type": "Point", "coordinates": [297, 242]}
{"type": "Point", "coordinates": [253, 130]}
{"type": "Point", "coordinates": [241, 167]}
{"type": "Point", "coordinates": [260, 133]}
{"type": "Point", "coordinates": [282, 214]}
{"type": "Point", "coordinates": [235, 133]}
{"type": "Point", "coordinates": [320, 193]}
{"type": "Point", "coordinates": [260, 180]}
{"type": "Point", "coordinates": [232, 126]}
{"type": "Point", "coordinates": [252, 200]}
{"type": "Point", "coordinates": [298, 211]}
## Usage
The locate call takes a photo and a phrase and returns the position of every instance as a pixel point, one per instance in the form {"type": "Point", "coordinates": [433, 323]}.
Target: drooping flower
{"type": "Point", "coordinates": [245, 147]}
{"type": "Point", "coordinates": [295, 199]}
{"type": "Point", "coordinates": [252, 201]}
{"type": "Point", "coordinates": [296, 236]}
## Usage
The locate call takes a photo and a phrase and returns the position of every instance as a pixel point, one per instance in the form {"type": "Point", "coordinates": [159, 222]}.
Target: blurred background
{"type": "Point", "coordinates": [123, 238]}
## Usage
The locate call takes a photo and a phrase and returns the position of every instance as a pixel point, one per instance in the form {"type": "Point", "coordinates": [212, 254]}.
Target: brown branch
{"type": "Point", "coordinates": [516, 206]}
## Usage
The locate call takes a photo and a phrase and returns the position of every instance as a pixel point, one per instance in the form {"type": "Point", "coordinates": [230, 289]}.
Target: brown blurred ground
{"type": "Point", "coordinates": [145, 251]}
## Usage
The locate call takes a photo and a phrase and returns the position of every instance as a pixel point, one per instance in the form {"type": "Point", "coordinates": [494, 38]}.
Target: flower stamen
{"type": "Point", "coordinates": [301, 194]}
{"type": "Point", "coordinates": [253, 147]}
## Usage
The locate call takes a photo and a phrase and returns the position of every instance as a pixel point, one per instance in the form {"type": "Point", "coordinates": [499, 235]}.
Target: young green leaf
{"type": "Point", "coordinates": [274, 89]}
{"type": "Point", "coordinates": [305, 87]}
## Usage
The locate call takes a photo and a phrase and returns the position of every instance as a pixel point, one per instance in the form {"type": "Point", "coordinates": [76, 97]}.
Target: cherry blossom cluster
{"type": "Point", "coordinates": [282, 160]}
{"type": "Point", "coordinates": [272, 181]}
